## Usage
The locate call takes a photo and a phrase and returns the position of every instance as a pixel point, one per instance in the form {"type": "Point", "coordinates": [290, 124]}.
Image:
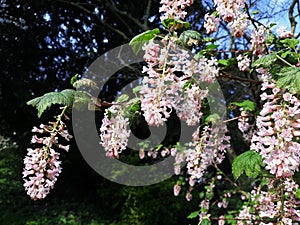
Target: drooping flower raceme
{"type": "Point", "coordinates": [271, 205]}
{"type": "Point", "coordinates": [278, 129]}
{"type": "Point", "coordinates": [174, 9]}
{"type": "Point", "coordinates": [207, 149]}
{"type": "Point", "coordinates": [42, 165]}
{"type": "Point", "coordinates": [258, 38]}
{"type": "Point", "coordinates": [243, 62]}
{"type": "Point", "coordinates": [114, 131]}
{"type": "Point", "coordinates": [211, 23]}
{"type": "Point", "coordinates": [231, 12]}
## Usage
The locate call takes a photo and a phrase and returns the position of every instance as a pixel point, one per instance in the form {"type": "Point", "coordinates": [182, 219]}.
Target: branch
{"type": "Point", "coordinates": [113, 8]}
{"type": "Point", "coordinates": [77, 4]}
{"type": "Point", "coordinates": [124, 13]}
{"type": "Point", "coordinates": [291, 17]}
{"type": "Point", "coordinates": [147, 14]}
{"type": "Point", "coordinates": [224, 74]}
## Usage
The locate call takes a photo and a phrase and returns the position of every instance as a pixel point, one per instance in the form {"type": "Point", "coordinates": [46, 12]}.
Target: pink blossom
{"type": "Point", "coordinates": [114, 131]}
{"type": "Point", "coordinates": [243, 62]}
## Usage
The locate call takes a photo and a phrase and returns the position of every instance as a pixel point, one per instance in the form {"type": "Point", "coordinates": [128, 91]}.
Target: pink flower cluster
{"type": "Point", "coordinates": [278, 131]}
{"type": "Point", "coordinates": [243, 62]}
{"type": "Point", "coordinates": [231, 12]}
{"type": "Point", "coordinates": [258, 38]}
{"type": "Point", "coordinates": [174, 9]}
{"type": "Point", "coordinates": [206, 150]}
{"type": "Point", "coordinates": [114, 131]}
{"type": "Point", "coordinates": [211, 23]}
{"type": "Point", "coordinates": [271, 204]}
{"type": "Point", "coordinates": [284, 33]}
{"type": "Point", "coordinates": [244, 126]}
{"type": "Point", "coordinates": [42, 165]}
{"type": "Point", "coordinates": [163, 91]}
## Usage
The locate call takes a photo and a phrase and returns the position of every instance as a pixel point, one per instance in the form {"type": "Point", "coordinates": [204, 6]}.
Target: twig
{"type": "Point", "coordinates": [97, 17]}
{"type": "Point", "coordinates": [224, 74]}
{"type": "Point", "coordinates": [291, 17]}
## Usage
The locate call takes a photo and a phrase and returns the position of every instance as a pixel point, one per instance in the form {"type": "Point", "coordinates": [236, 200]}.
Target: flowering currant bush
{"type": "Point", "coordinates": [263, 186]}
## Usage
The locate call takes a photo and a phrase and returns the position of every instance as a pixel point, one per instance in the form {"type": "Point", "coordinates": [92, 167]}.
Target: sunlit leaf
{"type": "Point", "coordinates": [193, 214]}
{"type": "Point", "coordinates": [138, 41]}
{"type": "Point", "coordinates": [289, 78]}
{"type": "Point", "coordinates": [249, 162]}
{"type": "Point", "coordinates": [245, 104]}
{"type": "Point", "coordinates": [84, 82]}
{"type": "Point", "coordinates": [265, 60]}
{"type": "Point", "coordinates": [65, 97]}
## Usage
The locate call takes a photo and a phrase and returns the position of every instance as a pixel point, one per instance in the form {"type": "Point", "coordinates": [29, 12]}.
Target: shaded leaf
{"type": "Point", "coordinates": [65, 97]}
{"type": "Point", "coordinates": [193, 214]}
{"type": "Point", "coordinates": [189, 37]}
{"type": "Point", "coordinates": [83, 99]}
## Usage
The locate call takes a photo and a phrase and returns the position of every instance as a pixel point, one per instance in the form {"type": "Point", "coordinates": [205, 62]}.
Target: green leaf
{"type": "Point", "coordinates": [270, 39]}
{"type": "Point", "coordinates": [226, 62]}
{"type": "Point", "coordinates": [255, 12]}
{"type": "Point", "coordinates": [290, 42]}
{"type": "Point", "coordinates": [266, 60]}
{"type": "Point", "coordinates": [249, 162]}
{"type": "Point", "coordinates": [193, 214]}
{"type": "Point", "coordinates": [285, 54]}
{"type": "Point", "coordinates": [208, 39]}
{"type": "Point", "coordinates": [135, 107]}
{"type": "Point", "coordinates": [246, 105]}
{"type": "Point", "coordinates": [289, 78]}
{"type": "Point", "coordinates": [74, 78]}
{"type": "Point", "coordinates": [138, 41]}
{"type": "Point", "coordinates": [190, 37]}
{"type": "Point", "coordinates": [176, 24]}
{"type": "Point", "coordinates": [137, 89]}
{"type": "Point", "coordinates": [205, 221]}
{"type": "Point", "coordinates": [65, 97]}
{"type": "Point", "coordinates": [122, 98]}
{"type": "Point", "coordinates": [84, 82]}
{"type": "Point", "coordinates": [272, 25]}
{"type": "Point", "coordinates": [83, 99]}
{"type": "Point", "coordinates": [213, 118]}
{"type": "Point", "coordinates": [297, 193]}
{"type": "Point", "coordinates": [211, 47]}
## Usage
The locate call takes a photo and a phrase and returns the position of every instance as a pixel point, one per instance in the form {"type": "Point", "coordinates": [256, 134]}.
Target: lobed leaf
{"type": "Point", "coordinates": [289, 78]}
{"type": "Point", "coordinates": [290, 42]}
{"type": "Point", "coordinates": [189, 37]}
{"type": "Point", "coordinates": [65, 97]}
{"type": "Point", "coordinates": [266, 60]}
{"type": "Point", "coordinates": [249, 162]}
